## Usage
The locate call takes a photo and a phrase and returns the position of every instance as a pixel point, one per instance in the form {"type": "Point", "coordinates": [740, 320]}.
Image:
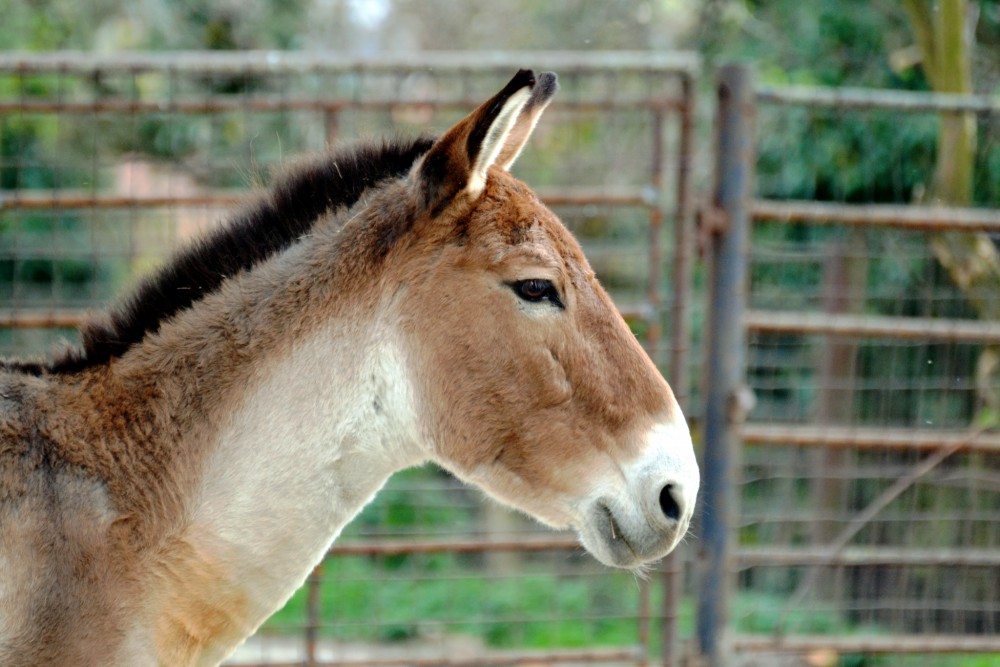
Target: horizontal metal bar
{"type": "Point", "coordinates": [856, 556]}
{"type": "Point", "coordinates": [873, 326]}
{"type": "Point", "coordinates": [679, 62]}
{"type": "Point", "coordinates": [391, 547]}
{"type": "Point", "coordinates": [865, 437]}
{"type": "Point", "coordinates": [920, 218]}
{"type": "Point", "coordinates": [71, 318]}
{"type": "Point", "coordinates": [789, 518]}
{"type": "Point", "coordinates": [66, 199]}
{"type": "Point", "coordinates": [220, 104]}
{"type": "Point", "coordinates": [597, 655]}
{"type": "Point", "coordinates": [368, 625]}
{"type": "Point", "coordinates": [644, 197]}
{"type": "Point", "coordinates": [519, 618]}
{"type": "Point", "coordinates": [55, 318]}
{"type": "Point", "coordinates": [645, 312]}
{"type": "Point", "coordinates": [914, 643]}
{"type": "Point", "coordinates": [865, 98]}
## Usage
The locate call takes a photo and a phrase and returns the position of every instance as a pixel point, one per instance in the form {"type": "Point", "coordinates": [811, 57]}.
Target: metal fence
{"type": "Point", "coordinates": [852, 449]}
{"type": "Point", "coordinates": [108, 162]}
{"type": "Point", "coordinates": [851, 482]}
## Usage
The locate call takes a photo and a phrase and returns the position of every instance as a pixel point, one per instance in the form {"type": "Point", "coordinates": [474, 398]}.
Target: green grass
{"type": "Point", "coordinates": [549, 600]}
{"type": "Point", "coordinates": [414, 597]}
{"type": "Point", "coordinates": [756, 613]}
{"type": "Point", "coordinates": [361, 599]}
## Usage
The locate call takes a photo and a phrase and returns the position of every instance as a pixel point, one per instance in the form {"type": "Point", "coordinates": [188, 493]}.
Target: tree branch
{"type": "Point", "coordinates": [922, 21]}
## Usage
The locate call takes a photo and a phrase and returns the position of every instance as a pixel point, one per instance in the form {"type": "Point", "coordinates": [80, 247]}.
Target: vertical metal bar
{"type": "Point", "coordinates": [845, 270]}
{"type": "Point", "coordinates": [312, 614]}
{"type": "Point", "coordinates": [654, 331]}
{"type": "Point", "coordinates": [331, 121]}
{"type": "Point", "coordinates": [680, 344]}
{"type": "Point", "coordinates": [644, 624]}
{"type": "Point", "coordinates": [725, 357]}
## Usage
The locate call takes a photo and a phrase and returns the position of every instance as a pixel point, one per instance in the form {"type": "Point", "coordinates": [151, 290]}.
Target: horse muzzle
{"type": "Point", "coordinates": [645, 514]}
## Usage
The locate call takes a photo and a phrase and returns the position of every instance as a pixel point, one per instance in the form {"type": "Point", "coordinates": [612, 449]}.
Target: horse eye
{"type": "Point", "coordinates": [537, 289]}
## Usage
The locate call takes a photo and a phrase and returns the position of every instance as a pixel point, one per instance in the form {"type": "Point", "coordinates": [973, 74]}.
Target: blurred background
{"type": "Point", "coordinates": [852, 496]}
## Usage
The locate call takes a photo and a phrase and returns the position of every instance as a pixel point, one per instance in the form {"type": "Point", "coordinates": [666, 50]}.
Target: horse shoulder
{"type": "Point", "coordinates": [58, 577]}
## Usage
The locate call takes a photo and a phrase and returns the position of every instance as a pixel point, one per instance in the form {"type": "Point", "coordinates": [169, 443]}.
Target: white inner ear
{"type": "Point", "coordinates": [510, 153]}
{"type": "Point", "coordinates": [495, 138]}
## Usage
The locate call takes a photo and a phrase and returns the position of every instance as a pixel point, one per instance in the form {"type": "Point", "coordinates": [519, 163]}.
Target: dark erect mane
{"type": "Point", "coordinates": [287, 212]}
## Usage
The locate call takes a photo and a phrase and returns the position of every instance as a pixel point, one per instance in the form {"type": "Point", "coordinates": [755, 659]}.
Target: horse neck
{"type": "Point", "coordinates": [291, 406]}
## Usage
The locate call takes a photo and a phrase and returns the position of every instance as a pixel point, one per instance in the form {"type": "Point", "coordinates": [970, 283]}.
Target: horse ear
{"type": "Point", "coordinates": [492, 134]}
{"type": "Point", "coordinates": [541, 94]}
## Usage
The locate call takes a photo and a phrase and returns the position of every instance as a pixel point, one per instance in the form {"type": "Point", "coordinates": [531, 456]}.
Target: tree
{"type": "Point", "coordinates": [945, 30]}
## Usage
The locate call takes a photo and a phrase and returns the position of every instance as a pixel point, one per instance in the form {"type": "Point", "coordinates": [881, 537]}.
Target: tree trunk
{"type": "Point", "coordinates": [944, 30]}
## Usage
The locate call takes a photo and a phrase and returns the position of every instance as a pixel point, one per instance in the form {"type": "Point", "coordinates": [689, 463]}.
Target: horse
{"type": "Point", "coordinates": [169, 483]}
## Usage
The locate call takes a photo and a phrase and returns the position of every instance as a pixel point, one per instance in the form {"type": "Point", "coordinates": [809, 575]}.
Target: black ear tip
{"type": "Point", "coordinates": [524, 77]}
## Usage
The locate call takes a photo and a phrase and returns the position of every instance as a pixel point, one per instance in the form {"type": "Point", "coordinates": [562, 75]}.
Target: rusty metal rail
{"type": "Point", "coordinates": [872, 99]}
{"type": "Point", "coordinates": [394, 547]}
{"type": "Point", "coordinates": [497, 658]}
{"type": "Point", "coordinates": [243, 62]}
{"type": "Point", "coordinates": [873, 326]}
{"type": "Point", "coordinates": [70, 318]}
{"type": "Point", "coordinates": [910, 643]}
{"type": "Point", "coordinates": [859, 556]}
{"type": "Point", "coordinates": [861, 437]}
{"type": "Point", "coordinates": [746, 556]}
{"type": "Point", "coordinates": [50, 318]}
{"type": "Point", "coordinates": [67, 199]}
{"type": "Point", "coordinates": [921, 218]}
{"type": "Point", "coordinates": [213, 105]}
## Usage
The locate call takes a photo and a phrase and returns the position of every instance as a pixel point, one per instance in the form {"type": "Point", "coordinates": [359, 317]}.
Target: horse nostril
{"type": "Point", "coordinates": [668, 504]}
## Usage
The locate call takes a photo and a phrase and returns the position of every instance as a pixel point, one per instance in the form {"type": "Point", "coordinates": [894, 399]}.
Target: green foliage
{"type": "Point", "coordinates": [163, 138]}
{"type": "Point", "coordinates": [413, 500]}
{"type": "Point", "coordinates": [45, 25]}
{"type": "Point", "coordinates": [825, 42]}
{"type": "Point", "coordinates": [36, 154]}
{"type": "Point", "coordinates": [767, 614]}
{"type": "Point", "coordinates": [844, 156]}
{"type": "Point", "coordinates": [853, 157]}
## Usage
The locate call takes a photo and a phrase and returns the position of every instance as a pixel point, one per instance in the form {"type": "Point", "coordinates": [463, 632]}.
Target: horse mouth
{"type": "Point", "coordinates": [616, 532]}
{"type": "Point", "coordinates": [618, 542]}
{"type": "Point", "coordinates": [615, 536]}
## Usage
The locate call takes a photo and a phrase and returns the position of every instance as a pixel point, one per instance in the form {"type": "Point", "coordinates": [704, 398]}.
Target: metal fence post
{"type": "Point", "coordinates": [725, 356]}
{"type": "Point", "coordinates": [680, 346]}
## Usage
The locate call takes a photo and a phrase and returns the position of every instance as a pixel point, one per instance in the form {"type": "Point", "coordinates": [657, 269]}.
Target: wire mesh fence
{"type": "Point", "coordinates": [107, 163]}
{"type": "Point", "coordinates": [429, 573]}
{"type": "Point", "coordinates": [869, 485]}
